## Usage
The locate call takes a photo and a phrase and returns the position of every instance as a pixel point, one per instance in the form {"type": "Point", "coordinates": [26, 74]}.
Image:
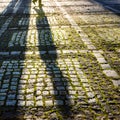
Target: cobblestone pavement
{"type": "Point", "coordinates": [60, 61]}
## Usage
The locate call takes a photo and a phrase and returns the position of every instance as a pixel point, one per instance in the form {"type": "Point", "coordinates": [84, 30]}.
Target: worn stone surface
{"type": "Point", "coordinates": [60, 61]}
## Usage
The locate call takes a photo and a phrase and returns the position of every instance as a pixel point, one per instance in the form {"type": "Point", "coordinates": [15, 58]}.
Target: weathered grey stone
{"type": "Point", "coordinates": [116, 82]}
{"type": "Point", "coordinates": [97, 54]}
{"type": "Point", "coordinates": [33, 76]}
{"type": "Point", "coordinates": [4, 86]}
{"type": "Point", "coordinates": [20, 97]}
{"type": "Point", "coordinates": [31, 80]}
{"type": "Point", "coordinates": [29, 66]}
{"type": "Point", "coordinates": [58, 102]}
{"type": "Point", "coordinates": [111, 73]}
{"type": "Point", "coordinates": [76, 83]}
{"type": "Point", "coordinates": [21, 91]}
{"type": "Point", "coordinates": [63, 93]}
{"type": "Point", "coordinates": [86, 85]}
{"type": "Point", "coordinates": [118, 50]}
{"type": "Point", "coordinates": [39, 85]}
{"type": "Point", "coordinates": [24, 77]}
{"type": "Point", "coordinates": [1, 75]}
{"type": "Point", "coordinates": [15, 53]}
{"type": "Point", "coordinates": [105, 66]}
{"type": "Point", "coordinates": [39, 103]}
{"type": "Point", "coordinates": [4, 53]}
{"type": "Point", "coordinates": [48, 103]}
{"type": "Point", "coordinates": [30, 90]}
{"type": "Point", "coordinates": [84, 80]}
{"type": "Point", "coordinates": [2, 98]}
{"type": "Point", "coordinates": [14, 84]}
{"type": "Point", "coordinates": [60, 88]}
{"type": "Point", "coordinates": [1, 103]}
{"type": "Point", "coordinates": [3, 94]}
{"type": "Point", "coordinates": [11, 102]}
{"type": "Point", "coordinates": [101, 60]}
{"type": "Point", "coordinates": [22, 81]}
{"type": "Point", "coordinates": [16, 73]}
{"type": "Point", "coordinates": [53, 92]}
{"type": "Point", "coordinates": [90, 94]}
{"type": "Point", "coordinates": [39, 98]}
{"type": "Point", "coordinates": [72, 92]}
{"type": "Point", "coordinates": [29, 103]}
{"type": "Point", "coordinates": [69, 102]}
{"type": "Point", "coordinates": [21, 103]}
{"type": "Point", "coordinates": [14, 79]}
{"type": "Point", "coordinates": [45, 92]}
{"type": "Point", "coordinates": [29, 96]}
{"type": "Point", "coordinates": [90, 46]}
{"type": "Point", "coordinates": [6, 81]}
{"type": "Point", "coordinates": [92, 100]}
{"type": "Point", "coordinates": [3, 90]}
{"type": "Point", "coordinates": [12, 96]}
{"type": "Point", "coordinates": [0, 78]}
{"type": "Point", "coordinates": [38, 92]}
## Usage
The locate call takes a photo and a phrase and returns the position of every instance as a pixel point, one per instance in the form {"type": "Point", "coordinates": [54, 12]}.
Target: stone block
{"type": "Point", "coordinates": [39, 103]}
{"type": "Point", "coordinates": [111, 73]}
{"type": "Point", "coordinates": [11, 102]}
{"type": "Point", "coordinates": [21, 103]}
{"type": "Point", "coordinates": [58, 102]}
{"type": "Point", "coordinates": [49, 103]}
{"type": "Point", "coordinates": [29, 103]}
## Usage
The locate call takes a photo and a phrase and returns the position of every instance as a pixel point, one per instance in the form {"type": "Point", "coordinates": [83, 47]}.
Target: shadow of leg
{"type": "Point", "coordinates": [60, 96]}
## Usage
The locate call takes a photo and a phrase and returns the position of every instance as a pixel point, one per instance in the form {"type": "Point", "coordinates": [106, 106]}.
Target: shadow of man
{"type": "Point", "coordinates": [48, 53]}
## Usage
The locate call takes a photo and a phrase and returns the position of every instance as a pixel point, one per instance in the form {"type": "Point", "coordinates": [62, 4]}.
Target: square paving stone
{"type": "Point", "coordinates": [116, 82]}
{"type": "Point", "coordinates": [2, 98]}
{"type": "Point", "coordinates": [39, 98]}
{"type": "Point", "coordinates": [48, 103]}
{"type": "Point", "coordinates": [20, 97]}
{"type": "Point", "coordinates": [1, 103]}
{"type": "Point", "coordinates": [10, 102]}
{"type": "Point", "coordinates": [21, 103]}
{"type": "Point", "coordinates": [105, 66]}
{"type": "Point", "coordinates": [101, 60]}
{"type": "Point", "coordinates": [29, 103]}
{"type": "Point", "coordinates": [111, 73]}
{"type": "Point", "coordinates": [58, 102]}
{"type": "Point", "coordinates": [12, 96]}
{"type": "Point", "coordinates": [39, 103]}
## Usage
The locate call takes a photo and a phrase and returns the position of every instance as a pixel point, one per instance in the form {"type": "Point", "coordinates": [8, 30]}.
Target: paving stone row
{"type": "Point", "coordinates": [56, 20]}
{"type": "Point", "coordinates": [34, 73]}
{"type": "Point", "coordinates": [46, 37]}
{"type": "Point", "coordinates": [87, 41]}
{"type": "Point", "coordinates": [50, 66]}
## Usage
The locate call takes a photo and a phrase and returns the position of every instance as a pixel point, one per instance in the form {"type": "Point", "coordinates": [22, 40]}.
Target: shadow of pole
{"type": "Point", "coordinates": [60, 83]}
{"type": "Point", "coordinates": [10, 110]}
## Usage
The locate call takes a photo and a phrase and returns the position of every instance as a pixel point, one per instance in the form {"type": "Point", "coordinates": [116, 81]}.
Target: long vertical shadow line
{"type": "Point", "coordinates": [60, 83]}
{"type": "Point", "coordinates": [10, 110]}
